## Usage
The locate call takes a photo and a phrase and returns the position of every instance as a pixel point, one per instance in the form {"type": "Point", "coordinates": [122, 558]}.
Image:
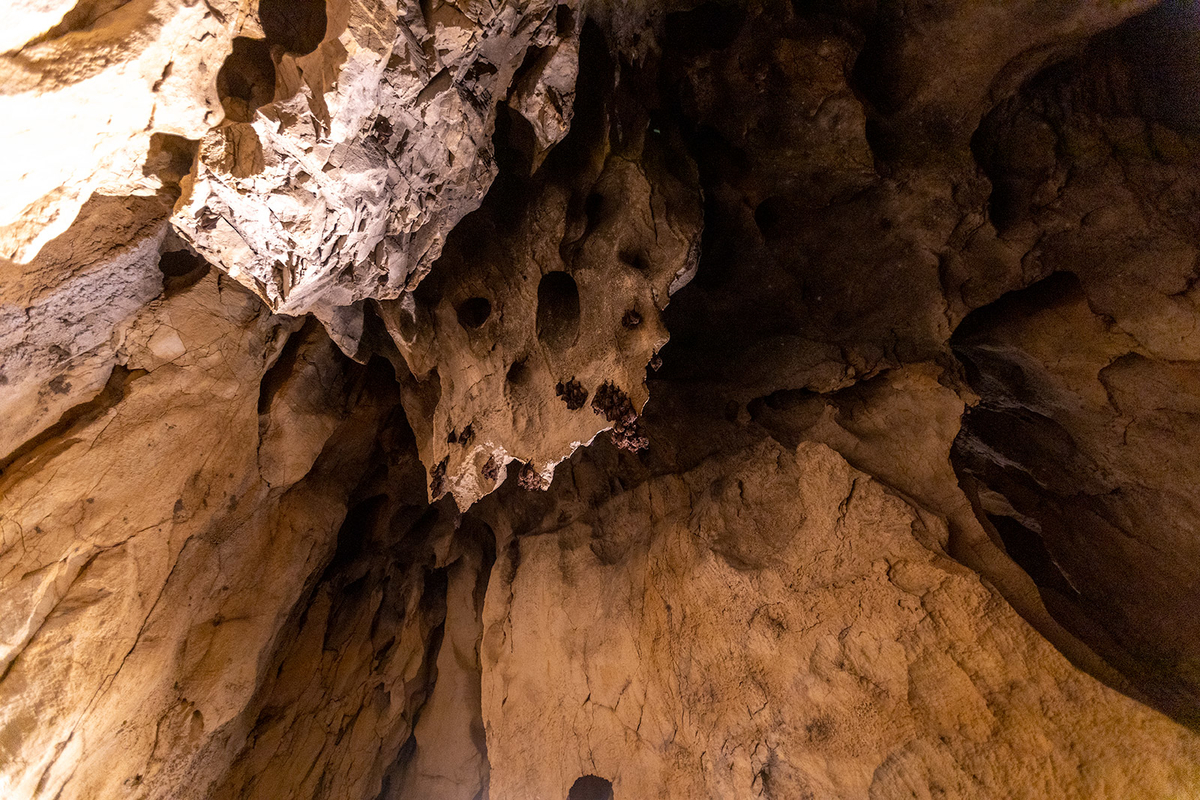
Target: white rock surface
{"type": "Point", "coordinates": [376, 144]}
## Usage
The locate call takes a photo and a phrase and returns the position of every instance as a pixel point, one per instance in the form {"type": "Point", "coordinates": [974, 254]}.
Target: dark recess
{"type": "Point", "coordinates": [558, 310]}
{"type": "Point", "coordinates": [590, 787]}
{"type": "Point", "coordinates": [473, 312]}
{"type": "Point", "coordinates": [181, 269]}
{"type": "Point", "coordinates": [246, 81]}
{"type": "Point", "coordinates": [297, 26]}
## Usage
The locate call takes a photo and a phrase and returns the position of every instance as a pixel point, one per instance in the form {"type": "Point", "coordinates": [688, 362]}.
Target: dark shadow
{"type": "Point", "coordinates": [246, 81]}
{"type": "Point", "coordinates": [590, 787]}
{"type": "Point", "coordinates": [297, 26]}
{"type": "Point", "coordinates": [558, 310]}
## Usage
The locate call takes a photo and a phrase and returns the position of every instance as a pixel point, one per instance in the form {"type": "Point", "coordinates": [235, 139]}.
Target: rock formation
{"type": "Point", "coordinates": [580, 399]}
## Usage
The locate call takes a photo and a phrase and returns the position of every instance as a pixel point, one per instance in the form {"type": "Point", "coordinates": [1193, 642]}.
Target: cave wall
{"type": "Point", "coordinates": [588, 399]}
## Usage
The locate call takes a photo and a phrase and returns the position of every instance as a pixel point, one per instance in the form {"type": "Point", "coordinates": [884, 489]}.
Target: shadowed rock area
{"type": "Point", "coordinates": [592, 400]}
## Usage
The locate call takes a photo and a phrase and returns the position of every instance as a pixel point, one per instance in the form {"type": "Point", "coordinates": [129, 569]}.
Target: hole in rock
{"type": "Point", "coordinates": [298, 26]}
{"type": "Point", "coordinates": [246, 81]}
{"type": "Point", "coordinates": [530, 481]}
{"type": "Point", "coordinates": [1031, 554]}
{"type": "Point", "coordinates": [564, 21]}
{"type": "Point", "coordinates": [181, 269]}
{"type": "Point", "coordinates": [635, 258]}
{"type": "Point", "coordinates": [558, 310]}
{"type": "Point", "coordinates": [474, 312]}
{"type": "Point", "coordinates": [408, 325]}
{"type": "Point", "coordinates": [516, 142]}
{"type": "Point", "coordinates": [593, 209]}
{"type": "Point", "coordinates": [518, 373]}
{"type": "Point", "coordinates": [590, 787]}
{"type": "Point", "coordinates": [170, 160]}
{"type": "Point", "coordinates": [178, 263]}
{"type": "Point", "coordinates": [774, 217]}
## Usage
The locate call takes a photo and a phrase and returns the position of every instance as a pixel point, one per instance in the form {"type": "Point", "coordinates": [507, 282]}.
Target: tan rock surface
{"type": "Point", "coordinates": [899, 494]}
{"type": "Point", "coordinates": [66, 313]}
{"type": "Point", "coordinates": [147, 564]}
{"type": "Point", "coordinates": [769, 625]}
{"type": "Point", "coordinates": [547, 295]}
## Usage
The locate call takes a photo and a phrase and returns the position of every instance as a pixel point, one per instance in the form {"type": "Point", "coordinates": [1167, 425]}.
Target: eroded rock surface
{"type": "Point", "coordinates": [348, 154]}
{"type": "Point", "coordinates": [313, 316]}
{"type": "Point", "coordinates": [94, 93]}
{"type": "Point", "coordinates": [535, 332]}
{"type": "Point", "coordinates": [865, 666]}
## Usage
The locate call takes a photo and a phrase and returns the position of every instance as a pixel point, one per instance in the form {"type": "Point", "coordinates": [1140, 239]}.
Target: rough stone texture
{"type": "Point", "coordinates": [64, 315]}
{"type": "Point", "coordinates": [136, 620]}
{"type": "Point", "coordinates": [1069, 446]}
{"type": "Point", "coordinates": [1082, 445]}
{"type": "Point", "coordinates": [877, 275]}
{"type": "Point", "coordinates": [338, 172]}
{"type": "Point", "coordinates": [768, 625]}
{"type": "Point", "coordinates": [535, 291]}
{"type": "Point", "coordinates": [94, 92]}
{"type": "Point", "coordinates": [395, 610]}
{"type": "Point", "coordinates": [904, 507]}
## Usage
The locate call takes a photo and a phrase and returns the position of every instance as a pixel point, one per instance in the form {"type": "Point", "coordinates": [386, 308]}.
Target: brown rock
{"type": "Point", "coordinates": [904, 296]}
{"type": "Point", "coordinates": [770, 625]}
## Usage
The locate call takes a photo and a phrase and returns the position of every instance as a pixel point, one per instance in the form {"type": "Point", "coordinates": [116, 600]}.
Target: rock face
{"type": "Point", "coordinates": [534, 399]}
{"type": "Point", "coordinates": [865, 664]}
{"type": "Point", "coordinates": [355, 137]}
{"type": "Point", "coordinates": [550, 296]}
{"type": "Point", "coordinates": [99, 95]}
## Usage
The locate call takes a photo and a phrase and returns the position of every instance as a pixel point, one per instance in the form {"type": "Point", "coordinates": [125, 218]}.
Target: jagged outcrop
{"type": "Point", "coordinates": [535, 333]}
{"type": "Point", "coordinates": [347, 155]}
{"type": "Point", "coordinates": [313, 316]}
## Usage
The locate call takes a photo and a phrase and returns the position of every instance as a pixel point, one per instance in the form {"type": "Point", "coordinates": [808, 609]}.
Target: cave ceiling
{"type": "Point", "coordinates": [532, 399]}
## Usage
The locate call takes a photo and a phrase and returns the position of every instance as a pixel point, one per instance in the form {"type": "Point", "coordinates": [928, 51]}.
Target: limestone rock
{"type": "Point", "coordinates": [535, 332]}
{"type": "Point", "coordinates": [147, 564]}
{"type": "Point", "coordinates": [93, 90]}
{"type": "Point", "coordinates": [769, 625]}
{"type": "Point", "coordinates": [63, 316]}
{"type": "Point", "coordinates": [1080, 450]}
{"type": "Point", "coordinates": [890, 311]}
{"type": "Point", "coordinates": [345, 160]}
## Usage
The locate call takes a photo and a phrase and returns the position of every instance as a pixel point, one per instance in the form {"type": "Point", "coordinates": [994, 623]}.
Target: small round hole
{"type": "Point", "coordinates": [176, 263]}
{"type": "Point", "coordinates": [593, 208]}
{"type": "Point", "coordinates": [181, 269]}
{"type": "Point", "coordinates": [635, 258]}
{"type": "Point", "coordinates": [474, 312]}
{"type": "Point", "coordinates": [774, 217]}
